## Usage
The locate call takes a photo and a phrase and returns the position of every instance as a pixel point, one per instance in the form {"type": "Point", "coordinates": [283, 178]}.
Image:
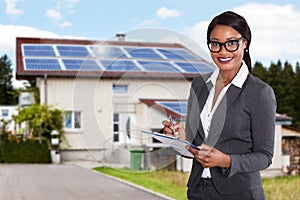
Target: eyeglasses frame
{"type": "Point", "coordinates": [224, 44]}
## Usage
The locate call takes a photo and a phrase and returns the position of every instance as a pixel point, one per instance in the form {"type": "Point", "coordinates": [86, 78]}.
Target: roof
{"type": "Point", "coordinates": [290, 132]}
{"type": "Point", "coordinates": [283, 119]}
{"type": "Point", "coordinates": [37, 57]}
{"type": "Point", "coordinates": [170, 107]}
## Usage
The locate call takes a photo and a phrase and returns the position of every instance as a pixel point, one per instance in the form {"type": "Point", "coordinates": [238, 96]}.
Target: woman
{"type": "Point", "coordinates": [231, 116]}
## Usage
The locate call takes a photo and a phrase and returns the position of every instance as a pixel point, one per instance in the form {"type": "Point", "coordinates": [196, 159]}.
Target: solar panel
{"type": "Point", "coordinates": [42, 64]}
{"type": "Point", "coordinates": [110, 57]}
{"type": "Point", "coordinates": [147, 53]}
{"type": "Point", "coordinates": [179, 107]}
{"type": "Point", "coordinates": [195, 67]}
{"type": "Point", "coordinates": [119, 65]}
{"type": "Point", "coordinates": [108, 52]}
{"type": "Point", "coordinates": [158, 66]}
{"type": "Point", "coordinates": [177, 54]}
{"type": "Point", "coordinates": [78, 64]}
{"type": "Point", "coordinates": [38, 50]}
{"type": "Point", "coordinates": [72, 51]}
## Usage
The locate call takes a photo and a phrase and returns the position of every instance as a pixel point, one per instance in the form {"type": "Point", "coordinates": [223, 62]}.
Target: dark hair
{"type": "Point", "coordinates": [236, 22]}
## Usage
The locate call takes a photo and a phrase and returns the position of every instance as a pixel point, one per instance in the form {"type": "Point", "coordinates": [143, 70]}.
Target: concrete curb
{"type": "Point", "coordinates": [91, 166]}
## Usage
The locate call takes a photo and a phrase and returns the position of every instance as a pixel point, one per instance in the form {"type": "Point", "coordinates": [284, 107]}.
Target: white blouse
{"type": "Point", "coordinates": [208, 112]}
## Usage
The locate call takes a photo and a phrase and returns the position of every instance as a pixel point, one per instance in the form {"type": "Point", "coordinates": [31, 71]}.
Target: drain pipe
{"type": "Point", "coordinates": [46, 88]}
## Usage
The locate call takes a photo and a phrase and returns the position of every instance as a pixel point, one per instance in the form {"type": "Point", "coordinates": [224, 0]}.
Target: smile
{"type": "Point", "coordinates": [225, 59]}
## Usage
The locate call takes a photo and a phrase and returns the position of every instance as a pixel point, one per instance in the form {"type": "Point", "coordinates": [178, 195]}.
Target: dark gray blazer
{"type": "Point", "coordinates": [243, 127]}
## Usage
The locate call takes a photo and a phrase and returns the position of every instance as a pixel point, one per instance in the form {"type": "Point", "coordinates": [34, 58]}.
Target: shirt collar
{"type": "Point", "coordinates": [213, 77]}
{"type": "Point", "coordinates": [241, 76]}
{"type": "Point", "coordinates": [238, 80]}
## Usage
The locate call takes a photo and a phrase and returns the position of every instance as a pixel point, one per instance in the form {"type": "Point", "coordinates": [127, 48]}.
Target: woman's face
{"type": "Point", "coordinates": [224, 59]}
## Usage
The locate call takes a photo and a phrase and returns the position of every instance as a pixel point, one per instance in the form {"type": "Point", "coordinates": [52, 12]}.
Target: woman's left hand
{"type": "Point", "coordinates": [210, 157]}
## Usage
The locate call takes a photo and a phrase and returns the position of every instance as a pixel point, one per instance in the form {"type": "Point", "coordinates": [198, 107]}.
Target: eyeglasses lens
{"type": "Point", "coordinates": [230, 45]}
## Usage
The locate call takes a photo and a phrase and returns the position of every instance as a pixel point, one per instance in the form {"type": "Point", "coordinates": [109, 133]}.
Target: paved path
{"type": "Point", "coordinates": [64, 182]}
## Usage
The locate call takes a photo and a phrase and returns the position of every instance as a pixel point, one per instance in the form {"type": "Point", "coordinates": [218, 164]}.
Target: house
{"type": "Point", "coordinates": [291, 150]}
{"type": "Point", "coordinates": [100, 86]}
{"type": "Point", "coordinates": [7, 112]}
{"type": "Point", "coordinates": [6, 117]}
{"type": "Point", "coordinates": [275, 169]}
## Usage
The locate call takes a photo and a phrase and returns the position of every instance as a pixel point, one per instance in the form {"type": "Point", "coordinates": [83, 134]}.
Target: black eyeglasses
{"type": "Point", "coordinates": [230, 45]}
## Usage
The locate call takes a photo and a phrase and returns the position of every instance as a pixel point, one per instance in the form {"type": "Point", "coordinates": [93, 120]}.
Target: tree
{"type": "Point", "coordinates": [288, 93]}
{"type": "Point", "coordinates": [7, 96]}
{"type": "Point", "coordinates": [259, 71]}
{"type": "Point", "coordinates": [274, 79]}
{"type": "Point", "coordinates": [41, 119]}
{"type": "Point", "coordinates": [296, 117]}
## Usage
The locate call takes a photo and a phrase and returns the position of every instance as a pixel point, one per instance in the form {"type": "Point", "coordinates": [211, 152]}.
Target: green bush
{"type": "Point", "coordinates": [25, 151]}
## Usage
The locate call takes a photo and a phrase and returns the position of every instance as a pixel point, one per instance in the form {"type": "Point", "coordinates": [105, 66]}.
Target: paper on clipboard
{"type": "Point", "coordinates": [175, 143]}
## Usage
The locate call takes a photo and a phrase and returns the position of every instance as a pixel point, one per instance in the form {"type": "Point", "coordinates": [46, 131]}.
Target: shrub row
{"type": "Point", "coordinates": [24, 151]}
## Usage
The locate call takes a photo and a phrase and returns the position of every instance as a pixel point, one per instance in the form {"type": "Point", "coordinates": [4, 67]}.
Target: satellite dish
{"type": "Point", "coordinates": [128, 127]}
{"type": "Point", "coordinates": [26, 99]}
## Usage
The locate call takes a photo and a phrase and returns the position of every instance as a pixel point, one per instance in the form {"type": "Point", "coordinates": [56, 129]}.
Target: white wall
{"type": "Point", "coordinates": [95, 98]}
{"type": "Point", "coordinates": [90, 96]}
{"type": "Point", "coordinates": [277, 161]}
{"type": "Point", "coordinates": [6, 113]}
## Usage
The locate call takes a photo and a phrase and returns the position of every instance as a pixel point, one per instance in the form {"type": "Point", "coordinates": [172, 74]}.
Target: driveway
{"type": "Point", "coordinates": [64, 182]}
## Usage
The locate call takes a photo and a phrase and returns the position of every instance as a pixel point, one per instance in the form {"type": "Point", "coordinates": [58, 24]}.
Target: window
{"type": "Point", "coordinates": [120, 89]}
{"type": "Point", "coordinates": [4, 112]}
{"type": "Point", "coordinates": [73, 119]}
{"type": "Point", "coordinates": [77, 119]}
{"type": "Point", "coordinates": [116, 127]}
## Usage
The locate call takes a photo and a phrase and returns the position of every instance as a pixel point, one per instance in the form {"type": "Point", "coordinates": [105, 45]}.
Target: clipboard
{"type": "Point", "coordinates": [175, 143]}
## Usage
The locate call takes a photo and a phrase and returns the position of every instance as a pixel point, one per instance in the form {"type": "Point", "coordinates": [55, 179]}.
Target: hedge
{"type": "Point", "coordinates": [25, 151]}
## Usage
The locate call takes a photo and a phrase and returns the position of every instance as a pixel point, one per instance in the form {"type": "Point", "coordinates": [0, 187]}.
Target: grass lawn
{"type": "Point", "coordinates": [173, 183]}
{"type": "Point", "coordinates": [282, 188]}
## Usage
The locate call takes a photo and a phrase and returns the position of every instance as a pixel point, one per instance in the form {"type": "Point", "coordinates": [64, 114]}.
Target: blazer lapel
{"type": "Point", "coordinates": [219, 116]}
{"type": "Point", "coordinates": [202, 96]}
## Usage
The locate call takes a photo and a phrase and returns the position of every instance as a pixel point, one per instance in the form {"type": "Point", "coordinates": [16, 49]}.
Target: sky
{"type": "Point", "coordinates": [275, 24]}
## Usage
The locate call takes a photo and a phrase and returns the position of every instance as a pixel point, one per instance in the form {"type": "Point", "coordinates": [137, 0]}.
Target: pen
{"type": "Point", "coordinates": [172, 123]}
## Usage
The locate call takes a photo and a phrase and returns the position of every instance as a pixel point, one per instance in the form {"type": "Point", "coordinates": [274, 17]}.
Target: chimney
{"type": "Point", "coordinates": [121, 36]}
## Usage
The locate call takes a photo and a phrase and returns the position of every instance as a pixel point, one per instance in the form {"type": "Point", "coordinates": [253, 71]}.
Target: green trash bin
{"type": "Point", "coordinates": [136, 158]}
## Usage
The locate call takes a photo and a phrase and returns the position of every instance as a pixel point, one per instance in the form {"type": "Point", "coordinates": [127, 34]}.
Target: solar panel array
{"type": "Point", "coordinates": [54, 57]}
{"type": "Point", "coordinates": [178, 107]}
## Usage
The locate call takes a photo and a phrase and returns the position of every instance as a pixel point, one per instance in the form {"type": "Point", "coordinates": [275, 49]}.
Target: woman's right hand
{"type": "Point", "coordinates": [176, 130]}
